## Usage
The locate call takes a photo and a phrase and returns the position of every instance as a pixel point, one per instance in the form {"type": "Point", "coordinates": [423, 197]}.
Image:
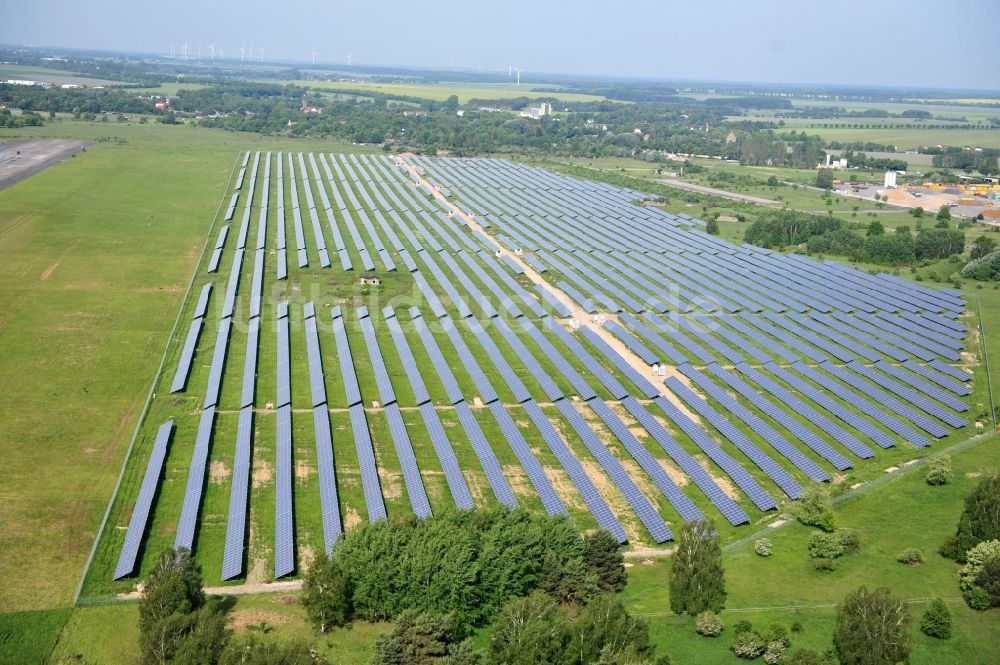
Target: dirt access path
{"type": "Point", "coordinates": [23, 158]}
{"type": "Point", "coordinates": [579, 314]}
{"type": "Point", "coordinates": [702, 189]}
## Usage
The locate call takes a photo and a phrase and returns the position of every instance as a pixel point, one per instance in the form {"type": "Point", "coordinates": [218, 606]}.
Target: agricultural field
{"type": "Point", "coordinates": [865, 130]}
{"type": "Point", "coordinates": [442, 91]}
{"type": "Point", "coordinates": [53, 76]}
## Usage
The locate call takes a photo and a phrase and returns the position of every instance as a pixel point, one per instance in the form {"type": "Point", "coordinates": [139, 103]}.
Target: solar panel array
{"type": "Point", "coordinates": [743, 354]}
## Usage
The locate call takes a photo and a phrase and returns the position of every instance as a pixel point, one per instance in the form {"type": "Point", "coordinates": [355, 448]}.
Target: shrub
{"type": "Point", "coordinates": [936, 620]}
{"type": "Point", "coordinates": [748, 645]}
{"type": "Point", "coordinates": [825, 545]}
{"type": "Point", "coordinates": [988, 580]}
{"type": "Point", "coordinates": [976, 559]}
{"type": "Point", "coordinates": [774, 653]}
{"type": "Point", "coordinates": [742, 626]}
{"type": "Point", "coordinates": [911, 556]}
{"type": "Point", "coordinates": [824, 564]}
{"type": "Point", "coordinates": [777, 633]}
{"type": "Point", "coordinates": [806, 657]}
{"type": "Point", "coordinates": [978, 599]}
{"type": "Point", "coordinates": [813, 508]}
{"type": "Point", "coordinates": [708, 624]}
{"type": "Point", "coordinates": [797, 627]}
{"type": "Point", "coordinates": [849, 540]}
{"type": "Point", "coordinates": [762, 546]}
{"type": "Point", "coordinates": [939, 471]}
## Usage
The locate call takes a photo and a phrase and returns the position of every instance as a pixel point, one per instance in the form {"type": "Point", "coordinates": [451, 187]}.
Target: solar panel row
{"type": "Point", "coordinates": [144, 502]}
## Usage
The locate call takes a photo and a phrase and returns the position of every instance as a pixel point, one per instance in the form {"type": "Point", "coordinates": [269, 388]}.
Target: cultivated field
{"type": "Point", "coordinates": [442, 91]}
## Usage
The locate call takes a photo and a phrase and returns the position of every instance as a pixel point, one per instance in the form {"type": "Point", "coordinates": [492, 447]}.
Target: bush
{"type": "Point", "coordinates": [939, 471]}
{"type": "Point", "coordinates": [807, 657]}
{"type": "Point", "coordinates": [978, 599]}
{"type": "Point", "coordinates": [708, 624]}
{"type": "Point", "coordinates": [813, 508]}
{"type": "Point", "coordinates": [749, 645]}
{"type": "Point", "coordinates": [936, 620]}
{"type": "Point", "coordinates": [825, 545]}
{"type": "Point", "coordinates": [976, 559]}
{"type": "Point", "coordinates": [742, 626]}
{"type": "Point", "coordinates": [774, 653]}
{"type": "Point", "coordinates": [797, 627]}
{"type": "Point", "coordinates": [911, 556]}
{"type": "Point", "coordinates": [849, 540]}
{"type": "Point", "coordinates": [824, 564]}
{"type": "Point", "coordinates": [762, 546]}
{"type": "Point", "coordinates": [980, 520]}
{"type": "Point", "coordinates": [777, 633]}
{"type": "Point", "coordinates": [988, 580]}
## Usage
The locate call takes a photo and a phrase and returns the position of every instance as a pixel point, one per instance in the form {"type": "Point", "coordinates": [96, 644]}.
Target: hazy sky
{"type": "Point", "coordinates": [889, 42]}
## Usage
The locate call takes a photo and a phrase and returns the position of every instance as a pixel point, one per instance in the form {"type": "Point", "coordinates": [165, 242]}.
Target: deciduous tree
{"type": "Point", "coordinates": [697, 580]}
{"type": "Point", "coordinates": [873, 628]}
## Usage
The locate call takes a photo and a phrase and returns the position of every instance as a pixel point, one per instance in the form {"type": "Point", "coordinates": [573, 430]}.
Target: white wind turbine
{"type": "Point", "coordinates": [222, 53]}
{"type": "Point", "coordinates": [348, 56]}
{"type": "Point", "coordinates": [314, 56]}
{"type": "Point", "coordinates": [262, 55]}
{"type": "Point", "coordinates": [184, 50]}
{"type": "Point", "coordinates": [518, 75]}
{"type": "Point", "coordinates": [211, 47]}
{"type": "Point", "coordinates": [243, 53]}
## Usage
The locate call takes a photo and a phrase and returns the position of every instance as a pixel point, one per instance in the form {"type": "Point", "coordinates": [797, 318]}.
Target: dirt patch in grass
{"type": "Point", "coordinates": [479, 488]}
{"type": "Point", "coordinates": [263, 473]}
{"type": "Point", "coordinates": [392, 483]}
{"type": "Point", "coordinates": [565, 488]}
{"type": "Point", "coordinates": [518, 480]}
{"type": "Point", "coordinates": [241, 620]}
{"type": "Point", "coordinates": [351, 518]}
{"type": "Point", "coordinates": [724, 484]}
{"type": "Point", "coordinates": [302, 469]}
{"type": "Point", "coordinates": [218, 472]}
{"type": "Point", "coordinates": [258, 572]}
{"type": "Point", "coordinates": [619, 506]}
{"type": "Point", "coordinates": [676, 475]}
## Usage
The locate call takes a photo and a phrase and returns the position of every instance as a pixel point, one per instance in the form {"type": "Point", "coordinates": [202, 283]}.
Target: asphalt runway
{"type": "Point", "coordinates": [23, 158]}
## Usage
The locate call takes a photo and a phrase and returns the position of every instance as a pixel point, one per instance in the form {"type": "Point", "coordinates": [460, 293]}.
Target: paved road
{"type": "Point", "coordinates": [701, 189]}
{"type": "Point", "coordinates": [22, 158]}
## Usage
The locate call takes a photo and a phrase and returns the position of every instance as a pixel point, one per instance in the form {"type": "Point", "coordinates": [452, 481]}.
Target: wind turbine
{"type": "Point", "coordinates": [262, 55]}
{"type": "Point", "coordinates": [199, 51]}
{"type": "Point", "coordinates": [184, 50]}
{"type": "Point", "coordinates": [510, 70]}
{"type": "Point", "coordinates": [314, 56]}
{"type": "Point", "coordinates": [518, 75]}
{"type": "Point", "coordinates": [348, 56]}
{"type": "Point", "coordinates": [211, 47]}
{"type": "Point", "coordinates": [243, 53]}
{"type": "Point", "coordinates": [222, 53]}
{"type": "Point", "coordinates": [171, 51]}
